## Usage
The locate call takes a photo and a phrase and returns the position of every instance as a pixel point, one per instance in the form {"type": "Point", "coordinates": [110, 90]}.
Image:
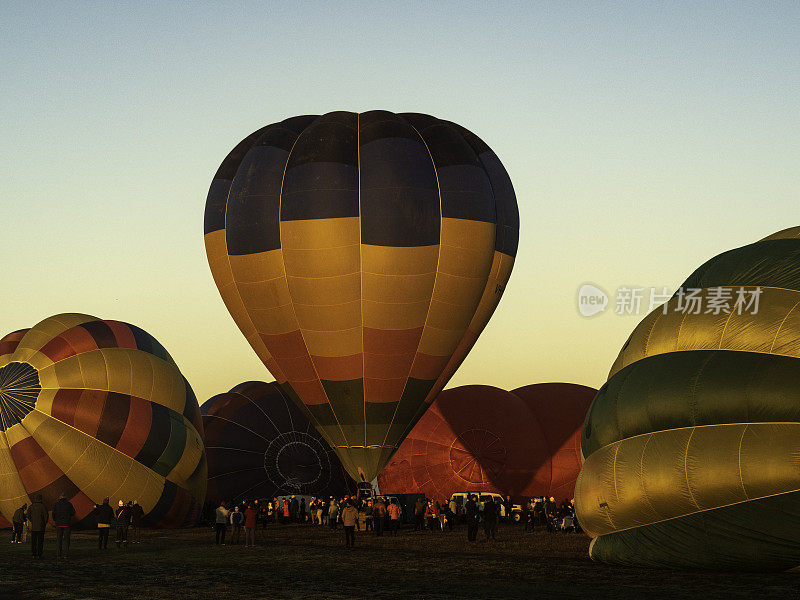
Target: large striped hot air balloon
{"type": "Point", "coordinates": [693, 445]}
{"type": "Point", "coordinates": [479, 438]}
{"type": "Point", "coordinates": [260, 445]}
{"type": "Point", "coordinates": [361, 255]}
{"type": "Point", "coordinates": [92, 408]}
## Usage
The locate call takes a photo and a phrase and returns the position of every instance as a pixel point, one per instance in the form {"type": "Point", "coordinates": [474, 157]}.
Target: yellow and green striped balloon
{"type": "Point", "coordinates": [361, 254]}
{"type": "Point", "coordinates": [692, 446]}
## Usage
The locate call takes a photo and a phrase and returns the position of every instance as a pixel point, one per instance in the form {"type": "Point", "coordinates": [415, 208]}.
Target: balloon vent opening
{"type": "Point", "coordinates": [478, 456]}
{"type": "Point", "coordinates": [297, 463]}
{"type": "Point", "coordinates": [19, 389]}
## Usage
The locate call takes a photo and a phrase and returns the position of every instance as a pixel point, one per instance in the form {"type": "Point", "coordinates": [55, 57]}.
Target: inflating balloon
{"type": "Point", "coordinates": [260, 445]}
{"type": "Point", "coordinates": [693, 445]}
{"type": "Point", "coordinates": [92, 408]}
{"type": "Point", "coordinates": [479, 438]}
{"type": "Point", "coordinates": [361, 255]}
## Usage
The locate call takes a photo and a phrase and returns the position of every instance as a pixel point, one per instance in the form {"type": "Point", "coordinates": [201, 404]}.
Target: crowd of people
{"type": "Point", "coordinates": [32, 521]}
{"type": "Point", "coordinates": [375, 515]}
{"type": "Point", "coordinates": [384, 514]}
{"type": "Point", "coordinates": [238, 523]}
{"type": "Point", "coordinates": [546, 513]}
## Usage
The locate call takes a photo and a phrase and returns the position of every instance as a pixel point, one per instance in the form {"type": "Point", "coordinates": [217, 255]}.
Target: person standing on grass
{"type": "Point", "coordinates": [550, 510]}
{"type": "Point", "coordinates": [442, 515]}
{"type": "Point", "coordinates": [325, 510]}
{"type": "Point", "coordinates": [123, 517]}
{"type": "Point", "coordinates": [333, 513]}
{"type": "Point", "coordinates": [287, 510]}
{"type": "Point", "coordinates": [103, 514]}
{"type": "Point", "coordinates": [419, 514]}
{"type": "Point", "coordinates": [137, 513]}
{"type": "Point", "coordinates": [432, 514]}
{"type": "Point", "coordinates": [471, 514]}
{"type": "Point", "coordinates": [361, 521]}
{"type": "Point", "coordinates": [237, 520]}
{"type": "Point", "coordinates": [349, 518]}
{"type": "Point", "coordinates": [527, 514]}
{"type": "Point", "coordinates": [452, 510]}
{"type": "Point", "coordinates": [220, 524]}
{"type": "Point", "coordinates": [37, 515]}
{"type": "Point", "coordinates": [490, 518]}
{"type": "Point", "coordinates": [394, 516]}
{"type": "Point", "coordinates": [63, 511]}
{"type": "Point", "coordinates": [378, 516]}
{"type": "Point", "coordinates": [250, 516]}
{"type": "Point", "coordinates": [368, 522]}
{"type": "Point", "coordinates": [18, 522]}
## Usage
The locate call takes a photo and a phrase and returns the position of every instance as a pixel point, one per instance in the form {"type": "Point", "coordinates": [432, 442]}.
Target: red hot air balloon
{"type": "Point", "coordinates": [480, 438]}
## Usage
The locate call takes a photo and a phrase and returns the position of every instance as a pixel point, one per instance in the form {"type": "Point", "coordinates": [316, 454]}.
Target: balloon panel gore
{"type": "Point", "coordinates": [361, 255]}
{"type": "Point", "coordinates": [19, 389]}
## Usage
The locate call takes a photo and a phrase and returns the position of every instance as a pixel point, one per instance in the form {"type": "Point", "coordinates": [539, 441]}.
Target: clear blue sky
{"type": "Point", "coordinates": [641, 138]}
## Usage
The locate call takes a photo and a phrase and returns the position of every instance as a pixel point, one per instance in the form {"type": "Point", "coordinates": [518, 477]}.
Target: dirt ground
{"type": "Point", "coordinates": [295, 561]}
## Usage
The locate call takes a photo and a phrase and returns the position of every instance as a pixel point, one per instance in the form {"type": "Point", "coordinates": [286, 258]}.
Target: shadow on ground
{"type": "Point", "coordinates": [302, 562]}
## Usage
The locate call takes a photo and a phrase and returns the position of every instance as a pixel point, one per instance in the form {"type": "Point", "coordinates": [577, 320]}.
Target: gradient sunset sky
{"type": "Point", "coordinates": [641, 138]}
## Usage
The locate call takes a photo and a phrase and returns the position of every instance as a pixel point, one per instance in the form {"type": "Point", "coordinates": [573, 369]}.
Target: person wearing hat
{"type": "Point", "coordinates": [63, 512]}
{"type": "Point", "coordinates": [18, 521]}
{"type": "Point", "coordinates": [37, 515]}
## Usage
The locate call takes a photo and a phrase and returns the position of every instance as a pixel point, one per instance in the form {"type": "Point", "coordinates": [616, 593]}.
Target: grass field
{"type": "Point", "coordinates": [311, 562]}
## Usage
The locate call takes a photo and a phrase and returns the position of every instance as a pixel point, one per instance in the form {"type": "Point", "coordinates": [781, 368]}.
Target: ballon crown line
{"type": "Point", "coordinates": [19, 389]}
{"type": "Point", "coordinates": [305, 462]}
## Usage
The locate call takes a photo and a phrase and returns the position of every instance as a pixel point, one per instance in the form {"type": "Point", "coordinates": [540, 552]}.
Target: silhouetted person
{"type": "Point", "coordinates": [550, 510]}
{"type": "Point", "coordinates": [237, 520]}
{"type": "Point", "coordinates": [137, 514]}
{"type": "Point", "coordinates": [471, 514]}
{"type": "Point", "coordinates": [18, 522]}
{"type": "Point", "coordinates": [63, 511]}
{"type": "Point", "coordinates": [490, 518]}
{"type": "Point", "coordinates": [378, 515]}
{"type": "Point", "coordinates": [104, 515]}
{"type": "Point", "coordinates": [123, 516]}
{"type": "Point", "coordinates": [37, 515]}
{"type": "Point", "coordinates": [250, 517]}
{"type": "Point", "coordinates": [419, 514]}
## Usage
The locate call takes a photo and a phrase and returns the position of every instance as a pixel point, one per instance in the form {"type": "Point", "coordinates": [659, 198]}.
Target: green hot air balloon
{"type": "Point", "coordinates": [361, 255]}
{"type": "Point", "coordinates": [692, 447]}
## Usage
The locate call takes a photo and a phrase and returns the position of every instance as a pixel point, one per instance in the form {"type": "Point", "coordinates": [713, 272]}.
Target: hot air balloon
{"type": "Point", "coordinates": [260, 445]}
{"type": "Point", "coordinates": [361, 255]}
{"type": "Point", "coordinates": [479, 438]}
{"type": "Point", "coordinates": [93, 408]}
{"type": "Point", "coordinates": [693, 444]}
